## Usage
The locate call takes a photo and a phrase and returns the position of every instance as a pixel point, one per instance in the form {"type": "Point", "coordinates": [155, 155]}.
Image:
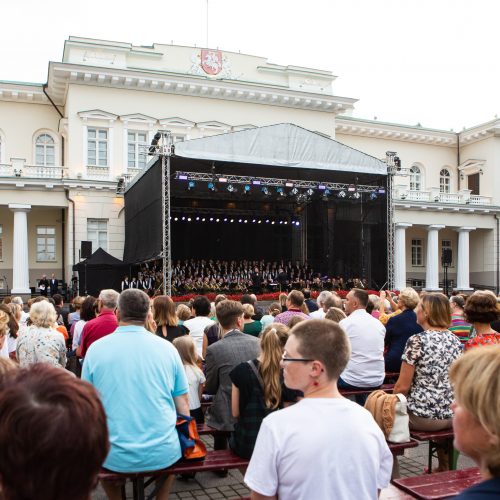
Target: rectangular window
{"type": "Point", "coordinates": [97, 147]}
{"type": "Point", "coordinates": [417, 252]}
{"type": "Point", "coordinates": [45, 243]}
{"type": "Point", "coordinates": [446, 245]}
{"type": "Point", "coordinates": [178, 138]}
{"type": "Point", "coordinates": [97, 233]}
{"type": "Point", "coordinates": [136, 149]}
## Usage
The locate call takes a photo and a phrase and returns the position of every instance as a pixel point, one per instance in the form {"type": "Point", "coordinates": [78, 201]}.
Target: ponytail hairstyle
{"type": "Point", "coordinates": [272, 343]}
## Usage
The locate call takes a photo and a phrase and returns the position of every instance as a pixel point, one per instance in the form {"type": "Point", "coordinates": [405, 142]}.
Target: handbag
{"type": "Point", "coordinates": [192, 447]}
{"type": "Point", "coordinates": [391, 414]}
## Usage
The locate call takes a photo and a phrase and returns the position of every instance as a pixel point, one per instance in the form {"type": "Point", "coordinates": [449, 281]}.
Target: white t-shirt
{"type": "Point", "coordinates": [320, 449]}
{"type": "Point", "coordinates": [319, 314]}
{"type": "Point", "coordinates": [195, 377]}
{"type": "Point", "coordinates": [196, 327]}
{"type": "Point", "coordinates": [77, 333]}
{"type": "Point", "coordinates": [366, 368]}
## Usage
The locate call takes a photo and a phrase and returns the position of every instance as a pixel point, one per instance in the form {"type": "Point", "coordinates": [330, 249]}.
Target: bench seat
{"type": "Point", "coordinates": [398, 449]}
{"type": "Point", "coordinates": [205, 430]}
{"type": "Point", "coordinates": [357, 392]}
{"type": "Point", "coordinates": [437, 439]}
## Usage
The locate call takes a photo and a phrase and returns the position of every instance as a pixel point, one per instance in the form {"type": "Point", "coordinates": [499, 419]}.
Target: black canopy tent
{"type": "Point", "coordinates": [100, 271]}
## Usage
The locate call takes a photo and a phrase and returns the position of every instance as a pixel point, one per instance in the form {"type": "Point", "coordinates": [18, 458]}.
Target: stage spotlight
{"type": "Point", "coordinates": [256, 182]}
{"type": "Point", "coordinates": [373, 195]}
{"type": "Point", "coordinates": [310, 192]}
{"type": "Point", "coordinates": [211, 186]}
{"type": "Point", "coordinates": [232, 220]}
{"type": "Point", "coordinates": [280, 191]}
{"type": "Point", "coordinates": [272, 222]}
{"type": "Point", "coordinates": [225, 219]}
{"type": "Point", "coordinates": [191, 185]}
{"type": "Point", "coordinates": [297, 223]}
{"type": "Point", "coordinates": [247, 188]}
{"type": "Point", "coordinates": [217, 220]}
{"type": "Point", "coordinates": [211, 219]}
{"type": "Point", "coordinates": [183, 177]}
{"type": "Point", "coordinates": [240, 220]}
{"type": "Point", "coordinates": [231, 188]}
{"type": "Point", "coordinates": [265, 191]}
{"type": "Point", "coordinates": [285, 222]}
{"type": "Point", "coordinates": [381, 190]}
{"type": "Point", "coordinates": [294, 192]}
{"type": "Point", "coordinates": [176, 219]}
{"type": "Point", "coordinates": [342, 194]}
{"type": "Point", "coordinates": [259, 222]}
{"type": "Point", "coordinates": [351, 188]}
{"type": "Point", "coordinates": [197, 218]}
{"type": "Point", "coordinates": [281, 222]}
{"type": "Point", "coordinates": [321, 187]}
{"type": "Point", "coordinates": [356, 195]}
{"type": "Point", "coordinates": [203, 220]}
{"type": "Point", "coordinates": [245, 221]}
{"type": "Point", "coordinates": [254, 221]}
{"type": "Point", "coordinates": [267, 221]}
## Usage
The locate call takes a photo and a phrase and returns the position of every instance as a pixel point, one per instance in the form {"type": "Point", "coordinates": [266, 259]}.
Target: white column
{"type": "Point", "coordinates": [463, 258]}
{"type": "Point", "coordinates": [400, 255]}
{"type": "Point", "coordinates": [20, 271]}
{"type": "Point", "coordinates": [432, 262]}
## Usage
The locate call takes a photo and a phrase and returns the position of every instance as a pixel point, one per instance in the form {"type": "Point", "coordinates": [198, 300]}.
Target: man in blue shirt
{"type": "Point", "coordinates": [143, 385]}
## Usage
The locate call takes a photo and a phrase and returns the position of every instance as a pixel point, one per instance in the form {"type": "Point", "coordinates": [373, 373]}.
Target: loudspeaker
{"type": "Point", "coordinates": [86, 249]}
{"type": "Point", "coordinates": [446, 256]}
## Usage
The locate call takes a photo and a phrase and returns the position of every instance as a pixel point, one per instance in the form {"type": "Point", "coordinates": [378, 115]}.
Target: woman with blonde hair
{"type": "Point", "coordinates": [250, 326]}
{"type": "Point", "coordinates": [476, 416]}
{"type": "Point", "coordinates": [258, 389]}
{"type": "Point", "coordinates": [273, 311]}
{"type": "Point", "coordinates": [4, 326]}
{"type": "Point", "coordinates": [335, 314]}
{"type": "Point", "coordinates": [166, 319]}
{"type": "Point", "coordinates": [183, 313]}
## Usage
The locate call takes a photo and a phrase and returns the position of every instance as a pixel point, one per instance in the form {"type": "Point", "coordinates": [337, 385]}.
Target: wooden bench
{"type": "Point", "coordinates": [439, 485]}
{"type": "Point", "coordinates": [205, 430]}
{"type": "Point", "coordinates": [364, 392]}
{"type": "Point", "coordinates": [215, 460]}
{"type": "Point", "coordinates": [437, 439]}
{"type": "Point", "coordinates": [398, 449]}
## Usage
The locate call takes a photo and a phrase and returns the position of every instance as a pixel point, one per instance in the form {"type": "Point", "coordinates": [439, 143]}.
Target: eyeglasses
{"type": "Point", "coordinates": [305, 360]}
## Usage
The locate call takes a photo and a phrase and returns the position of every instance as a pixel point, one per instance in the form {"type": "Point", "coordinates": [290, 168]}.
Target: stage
{"type": "Point", "coordinates": [274, 193]}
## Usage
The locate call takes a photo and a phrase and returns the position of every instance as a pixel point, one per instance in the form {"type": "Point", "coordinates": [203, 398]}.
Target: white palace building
{"type": "Point", "coordinates": [65, 144]}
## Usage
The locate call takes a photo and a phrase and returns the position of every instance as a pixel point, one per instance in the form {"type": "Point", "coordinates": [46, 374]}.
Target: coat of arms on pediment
{"type": "Point", "coordinates": [210, 62]}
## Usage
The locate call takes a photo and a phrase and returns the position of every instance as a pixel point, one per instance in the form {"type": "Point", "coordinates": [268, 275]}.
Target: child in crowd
{"type": "Point", "coordinates": [196, 379]}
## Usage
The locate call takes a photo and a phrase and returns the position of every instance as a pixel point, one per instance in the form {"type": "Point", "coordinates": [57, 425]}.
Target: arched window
{"type": "Point", "coordinates": [45, 150]}
{"type": "Point", "coordinates": [415, 178]}
{"type": "Point", "coordinates": [444, 181]}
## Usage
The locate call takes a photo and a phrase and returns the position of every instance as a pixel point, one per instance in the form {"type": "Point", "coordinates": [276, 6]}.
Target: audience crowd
{"type": "Point", "coordinates": [130, 363]}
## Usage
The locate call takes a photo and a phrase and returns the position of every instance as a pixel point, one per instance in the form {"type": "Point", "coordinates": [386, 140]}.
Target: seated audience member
{"type": "Point", "coordinates": [335, 314]}
{"type": "Point", "coordinates": [375, 301]}
{"type": "Point", "coordinates": [4, 327]}
{"type": "Point", "coordinates": [282, 297]}
{"type": "Point", "coordinates": [183, 313]}
{"type": "Point", "coordinates": [103, 325]}
{"type": "Point", "coordinates": [365, 369]}
{"type": "Point", "coordinates": [52, 409]}
{"type": "Point", "coordinates": [20, 303]}
{"type": "Point", "coordinates": [143, 385]}
{"type": "Point", "coordinates": [252, 300]}
{"type": "Point", "coordinates": [387, 307]}
{"type": "Point", "coordinates": [196, 326]}
{"type": "Point", "coordinates": [213, 333]}
{"type": "Point", "coordinates": [299, 454]}
{"type": "Point", "coordinates": [400, 328]}
{"type": "Point", "coordinates": [424, 371]}
{"type": "Point", "coordinates": [62, 315]}
{"type": "Point", "coordinates": [258, 389]}
{"type": "Point", "coordinates": [311, 304]}
{"type": "Point", "coordinates": [41, 342]}
{"type": "Point", "coordinates": [459, 326]}
{"type": "Point", "coordinates": [250, 326]}
{"type": "Point", "coordinates": [294, 320]}
{"type": "Point", "coordinates": [166, 320]}
{"type": "Point", "coordinates": [87, 313]}
{"type": "Point", "coordinates": [481, 309]}
{"type": "Point", "coordinates": [73, 317]}
{"type": "Point", "coordinates": [476, 417]}
{"type": "Point", "coordinates": [233, 348]}
{"type": "Point", "coordinates": [294, 303]}
{"type": "Point", "coordinates": [12, 330]}
{"type": "Point", "coordinates": [7, 366]}
{"type": "Point", "coordinates": [273, 311]}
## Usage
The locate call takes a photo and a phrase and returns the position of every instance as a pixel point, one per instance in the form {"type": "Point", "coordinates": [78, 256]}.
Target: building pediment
{"type": "Point", "coordinates": [176, 121]}
{"type": "Point", "coordinates": [97, 114]}
{"type": "Point", "coordinates": [138, 118]}
{"type": "Point", "coordinates": [214, 125]}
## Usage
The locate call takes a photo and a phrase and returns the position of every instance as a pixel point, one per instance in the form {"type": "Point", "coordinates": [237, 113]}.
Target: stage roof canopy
{"type": "Point", "coordinates": [281, 145]}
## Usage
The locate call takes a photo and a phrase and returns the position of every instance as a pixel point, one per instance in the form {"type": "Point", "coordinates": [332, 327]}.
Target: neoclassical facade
{"type": "Point", "coordinates": [66, 145]}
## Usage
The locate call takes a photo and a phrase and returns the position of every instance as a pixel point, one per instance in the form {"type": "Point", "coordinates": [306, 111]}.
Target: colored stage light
{"type": "Point", "coordinates": [240, 220]}
{"type": "Point", "coordinates": [211, 219]}
{"type": "Point", "coordinates": [373, 195]}
{"type": "Point", "coordinates": [381, 190]}
{"type": "Point", "coordinates": [288, 184]}
{"type": "Point", "coordinates": [211, 186]}
{"type": "Point", "coordinates": [342, 194]}
{"type": "Point", "coordinates": [265, 191]}
{"type": "Point", "coordinates": [247, 188]}
{"type": "Point", "coordinates": [222, 179]}
{"type": "Point", "coordinates": [231, 188]}
{"type": "Point", "coordinates": [197, 218]}
{"type": "Point", "coordinates": [351, 188]}
{"type": "Point", "coordinates": [280, 191]}
{"type": "Point", "coordinates": [191, 185]}
{"type": "Point", "coordinates": [225, 220]}
{"type": "Point", "coordinates": [322, 187]}
{"type": "Point", "coordinates": [254, 220]}
{"type": "Point", "coordinates": [256, 182]}
{"type": "Point", "coordinates": [267, 221]}
{"type": "Point", "coordinates": [183, 177]}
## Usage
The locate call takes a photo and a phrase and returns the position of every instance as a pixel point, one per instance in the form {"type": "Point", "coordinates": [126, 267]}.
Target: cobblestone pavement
{"type": "Point", "coordinates": [207, 485]}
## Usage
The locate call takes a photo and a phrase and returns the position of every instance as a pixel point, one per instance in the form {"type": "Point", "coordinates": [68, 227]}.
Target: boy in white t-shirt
{"type": "Point", "coordinates": [324, 447]}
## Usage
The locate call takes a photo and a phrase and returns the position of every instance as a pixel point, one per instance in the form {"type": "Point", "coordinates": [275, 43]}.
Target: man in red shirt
{"type": "Point", "coordinates": [103, 325]}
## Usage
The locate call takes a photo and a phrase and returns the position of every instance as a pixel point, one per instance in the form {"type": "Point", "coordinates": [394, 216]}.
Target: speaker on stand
{"type": "Point", "coordinates": [85, 253]}
{"type": "Point", "coordinates": [446, 260]}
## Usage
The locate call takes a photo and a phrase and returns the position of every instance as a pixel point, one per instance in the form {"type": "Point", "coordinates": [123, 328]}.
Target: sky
{"type": "Point", "coordinates": [433, 62]}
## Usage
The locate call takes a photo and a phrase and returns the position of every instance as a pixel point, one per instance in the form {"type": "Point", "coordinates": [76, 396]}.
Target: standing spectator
{"type": "Point", "coordinates": [320, 312]}
{"type": "Point", "coordinates": [53, 284]}
{"type": "Point", "coordinates": [311, 304]}
{"type": "Point", "coordinates": [250, 326]}
{"type": "Point", "coordinates": [87, 313]}
{"type": "Point", "coordinates": [41, 342]}
{"type": "Point", "coordinates": [12, 311]}
{"type": "Point", "coordinates": [143, 386]}
{"type": "Point", "coordinates": [299, 452]}
{"type": "Point", "coordinates": [234, 347]}
{"type": "Point", "coordinates": [183, 313]}
{"type": "Point", "coordinates": [43, 285]}
{"type": "Point", "coordinates": [213, 333]}
{"type": "Point", "coordinates": [103, 325]}
{"type": "Point", "coordinates": [197, 325]}
{"type": "Point", "coordinates": [274, 310]}
{"type": "Point", "coordinates": [424, 371]}
{"type": "Point", "coordinates": [294, 303]}
{"type": "Point", "coordinates": [365, 369]}
{"type": "Point", "coordinates": [62, 315]}
{"type": "Point", "coordinates": [459, 326]}
{"type": "Point", "coordinates": [166, 320]}
{"type": "Point", "coordinates": [481, 309]}
{"type": "Point", "coordinates": [73, 317]}
{"type": "Point", "coordinates": [4, 322]}
{"type": "Point", "coordinates": [400, 328]}
{"type": "Point", "coordinates": [24, 315]}
{"type": "Point", "coordinates": [195, 377]}
{"type": "Point", "coordinates": [53, 409]}
{"type": "Point", "coordinates": [335, 314]}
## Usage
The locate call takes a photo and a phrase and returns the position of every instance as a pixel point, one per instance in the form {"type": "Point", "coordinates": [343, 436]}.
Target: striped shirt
{"type": "Point", "coordinates": [460, 328]}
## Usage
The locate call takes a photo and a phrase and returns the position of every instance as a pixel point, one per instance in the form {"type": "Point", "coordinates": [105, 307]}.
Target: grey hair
{"type": "Point", "coordinates": [322, 297]}
{"type": "Point", "coordinates": [18, 301]}
{"type": "Point", "coordinates": [43, 314]}
{"type": "Point", "coordinates": [109, 298]}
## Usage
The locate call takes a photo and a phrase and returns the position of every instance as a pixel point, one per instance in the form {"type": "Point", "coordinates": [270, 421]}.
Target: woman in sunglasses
{"type": "Point", "coordinates": [325, 446]}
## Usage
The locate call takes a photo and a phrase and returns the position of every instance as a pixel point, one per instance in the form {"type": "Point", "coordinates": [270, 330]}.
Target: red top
{"type": "Point", "coordinates": [97, 328]}
{"type": "Point", "coordinates": [485, 339]}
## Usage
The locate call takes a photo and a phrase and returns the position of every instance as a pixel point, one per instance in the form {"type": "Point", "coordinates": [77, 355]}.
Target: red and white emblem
{"type": "Point", "coordinates": [211, 61]}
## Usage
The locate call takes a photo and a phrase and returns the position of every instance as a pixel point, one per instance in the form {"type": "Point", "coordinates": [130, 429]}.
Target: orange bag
{"type": "Point", "coordinates": [192, 446]}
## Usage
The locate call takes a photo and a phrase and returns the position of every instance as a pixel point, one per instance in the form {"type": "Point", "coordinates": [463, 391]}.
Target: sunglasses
{"type": "Point", "coordinates": [305, 360]}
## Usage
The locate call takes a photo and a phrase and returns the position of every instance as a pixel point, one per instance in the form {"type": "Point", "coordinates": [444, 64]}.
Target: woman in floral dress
{"type": "Point", "coordinates": [481, 310]}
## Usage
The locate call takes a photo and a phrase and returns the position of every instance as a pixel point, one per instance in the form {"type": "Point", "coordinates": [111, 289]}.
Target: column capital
{"type": "Point", "coordinates": [465, 229]}
{"type": "Point", "coordinates": [16, 207]}
{"type": "Point", "coordinates": [403, 225]}
{"type": "Point", "coordinates": [435, 227]}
